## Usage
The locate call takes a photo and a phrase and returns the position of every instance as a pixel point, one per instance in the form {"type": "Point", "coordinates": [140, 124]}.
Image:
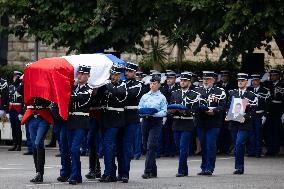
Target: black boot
{"type": "Point", "coordinates": [92, 163]}
{"type": "Point", "coordinates": [35, 163]}
{"type": "Point", "coordinates": [13, 148]}
{"type": "Point", "coordinates": [38, 178]}
{"type": "Point", "coordinates": [14, 141]}
{"type": "Point", "coordinates": [98, 167]}
{"type": "Point", "coordinates": [39, 158]}
{"type": "Point", "coordinates": [35, 158]}
{"type": "Point", "coordinates": [19, 141]}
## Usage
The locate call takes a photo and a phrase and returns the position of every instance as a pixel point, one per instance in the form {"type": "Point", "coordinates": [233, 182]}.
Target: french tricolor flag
{"type": "Point", "coordinates": [53, 78]}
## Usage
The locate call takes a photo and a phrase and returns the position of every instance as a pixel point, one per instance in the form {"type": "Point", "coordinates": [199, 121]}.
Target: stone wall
{"type": "Point", "coordinates": [22, 51]}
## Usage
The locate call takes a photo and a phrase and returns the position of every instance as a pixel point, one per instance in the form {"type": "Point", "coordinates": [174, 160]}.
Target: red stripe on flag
{"type": "Point", "coordinates": [50, 79]}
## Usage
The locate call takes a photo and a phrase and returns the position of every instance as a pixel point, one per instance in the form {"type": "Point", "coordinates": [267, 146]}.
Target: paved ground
{"type": "Point", "coordinates": [16, 170]}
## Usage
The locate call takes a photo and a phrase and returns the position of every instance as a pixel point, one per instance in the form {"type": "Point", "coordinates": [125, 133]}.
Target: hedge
{"type": "Point", "coordinates": [193, 66]}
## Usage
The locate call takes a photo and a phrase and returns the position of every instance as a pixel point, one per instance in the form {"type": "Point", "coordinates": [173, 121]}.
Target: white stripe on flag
{"type": "Point", "coordinates": [100, 67]}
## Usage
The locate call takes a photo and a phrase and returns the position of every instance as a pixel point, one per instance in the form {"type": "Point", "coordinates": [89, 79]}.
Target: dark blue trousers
{"type": "Point", "coordinates": [28, 138]}
{"type": "Point", "coordinates": [93, 133]}
{"type": "Point", "coordinates": [38, 130]}
{"type": "Point", "coordinates": [151, 130]}
{"type": "Point", "coordinates": [255, 138]}
{"type": "Point", "coordinates": [64, 150]}
{"type": "Point", "coordinates": [57, 130]}
{"type": "Point", "coordinates": [182, 141]}
{"type": "Point", "coordinates": [167, 145]}
{"type": "Point", "coordinates": [208, 139]}
{"type": "Point", "coordinates": [273, 133]}
{"type": "Point", "coordinates": [109, 146]}
{"type": "Point", "coordinates": [85, 147]}
{"type": "Point", "coordinates": [125, 145]}
{"type": "Point", "coordinates": [75, 137]}
{"type": "Point", "coordinates": [138, 141]}
{"type": "Point", "coordinates": [224, 139]}
{"type": "Point", "coordinates": [16, 127]}
{"type": "Point", "coordinates": [239, 137]}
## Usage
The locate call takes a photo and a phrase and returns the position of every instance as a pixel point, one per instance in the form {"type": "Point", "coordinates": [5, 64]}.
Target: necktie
{"type": "Point", "coordinates": [255, 90]}
{"type": "Point", "coordinates": [241, 94]}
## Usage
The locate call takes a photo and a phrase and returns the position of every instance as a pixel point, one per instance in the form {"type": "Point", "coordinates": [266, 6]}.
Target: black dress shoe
{"type": "Point", "coordinates": [57, 155]}
{"type": "Point", "coordinates": [98, 173]}
{"type": "Point", "coordinates": [72, 182]}
{"type": "Point", "coordinates": [18, 148]}
{"type": "Point", "coordinates": [181, 175]}
{"type": "Point", "coordinates": [38, 178]}
{"type": "Point", "coordinates": [146, 176]}
{"type": "Point", "coordinates": [201, 173]}
{"type": "Point", "coordinates": [13, 148]}
{"type": "Point", "coordinates": [124, 179]}
{"type": "Point", "coordinates": [270, 154]}
{"type": "Point", "coordinates": [208, 173]}
{"type": "Point", "coordinates": [50, 145]}
{"type": "Point", "coordinates": [238, 172]}
{"type": "Point", "coordinates": [62, 179]}
{"type": "Point", "coordinates": [105, 178]}
{"type": "Point", "coordinates": [119, 178]}
{"type": "Point", "coordinates": [149, 175]}
{"type": "Point", "coordinates": [28, 153]}
{"type": "Point", "coordinates": [91, 175]}
{"type": "Point", "coordinates": [251, 155]}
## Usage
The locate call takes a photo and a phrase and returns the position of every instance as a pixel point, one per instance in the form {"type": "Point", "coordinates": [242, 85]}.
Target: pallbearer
{"type": "Point", "coordinates": [113, 119]}
{"type": "Point", "coordinates": [38, 116]}
{"type": "Point", "coordinates": [78, 121]}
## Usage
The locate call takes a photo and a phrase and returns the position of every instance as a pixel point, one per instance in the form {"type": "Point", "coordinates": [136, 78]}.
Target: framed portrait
{"type": "Point", "coordinates": [237, 109]}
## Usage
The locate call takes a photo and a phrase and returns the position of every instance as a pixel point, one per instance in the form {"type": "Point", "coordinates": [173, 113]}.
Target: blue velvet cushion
{"type": "Point", "coordinates": [177, 107]}
{"type": "Point", "coordinates": [147, 111]}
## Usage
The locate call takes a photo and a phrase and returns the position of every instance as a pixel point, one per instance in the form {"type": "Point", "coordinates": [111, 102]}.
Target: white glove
{"type": "Point", "coordinates": [7, 115]}
{"type": "Point", "coordinates": [1, 113]}
{"type": "Point", "coordinates": [263, 119]}
{"type": "Point", "coordinates": [141, 119]}
{"type": "Point", "coordinates": [282, 118]}
{"type": "Point", "coordinates": [164, 120]}
{"type": "Point", "coordinates": [20, 116]}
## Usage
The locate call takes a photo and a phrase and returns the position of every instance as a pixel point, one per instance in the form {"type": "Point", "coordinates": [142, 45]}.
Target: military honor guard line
{"type": "Point", "coordinates": [156, 115]}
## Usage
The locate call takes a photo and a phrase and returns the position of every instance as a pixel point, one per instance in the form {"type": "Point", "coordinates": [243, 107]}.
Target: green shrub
{"type": "Point", "coordinates": [194, 66]}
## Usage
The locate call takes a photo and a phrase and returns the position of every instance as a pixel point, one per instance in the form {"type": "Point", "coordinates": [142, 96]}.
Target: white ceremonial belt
{"type": "Point", "coordinates": [14, 103]}
{"type": "Point", "coordinates": [95, 108]}
{"type": "Point", "coordinates": [276, 101]}
{"type": "Point", "coordinates": [35, 107]}
{"type": "Point", "coordinates": [131, 107]}
{"type": "Point", "coordinates": [211, 107]}
{"type": "Point", "coordinates": [259, 111]}
{"type": "Point", "coordinates": [182, 117]}
{"type": "Point", "coordinates": [115, 109]}
{"type": "Point", "coordinates": [79, 113]}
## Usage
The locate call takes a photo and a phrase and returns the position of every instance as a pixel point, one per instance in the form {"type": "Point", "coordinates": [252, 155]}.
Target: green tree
{"type": "Point", "coordinates": [83, 26]}
{"type": "Point", "coordinates": [92, 26]}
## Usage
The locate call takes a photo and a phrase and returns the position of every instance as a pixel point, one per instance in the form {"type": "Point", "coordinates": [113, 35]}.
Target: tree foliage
{"type": "Point", "coordinates": [92, 26]}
